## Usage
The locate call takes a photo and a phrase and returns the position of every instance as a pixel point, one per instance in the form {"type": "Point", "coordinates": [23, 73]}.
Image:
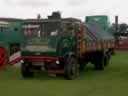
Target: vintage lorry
{"type": "Point", "coordinates": [63, 46]}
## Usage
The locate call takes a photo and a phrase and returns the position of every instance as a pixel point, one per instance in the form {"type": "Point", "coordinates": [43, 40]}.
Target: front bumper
{"type": "Point", "coordinates": [40, 59]}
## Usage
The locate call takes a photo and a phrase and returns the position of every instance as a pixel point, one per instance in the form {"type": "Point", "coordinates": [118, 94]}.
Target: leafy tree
{"type": "Point", "coordinates": [123, 28]}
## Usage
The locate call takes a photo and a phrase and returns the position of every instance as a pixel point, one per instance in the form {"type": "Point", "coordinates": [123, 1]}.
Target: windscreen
{"type": "Point", "coordinates": [42, 36]}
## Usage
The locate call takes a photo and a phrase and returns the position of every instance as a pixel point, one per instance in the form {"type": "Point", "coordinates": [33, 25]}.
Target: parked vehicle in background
{"type": "Point", "coordinates": [11, 38]}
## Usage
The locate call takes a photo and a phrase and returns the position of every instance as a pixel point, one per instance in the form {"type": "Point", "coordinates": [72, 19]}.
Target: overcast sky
{"type": "Point", "coordinates": [69, 8]}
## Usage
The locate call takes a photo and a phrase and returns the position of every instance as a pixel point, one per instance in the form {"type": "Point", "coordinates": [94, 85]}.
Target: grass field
{"type": "Point", "coordinates": [113, 81]}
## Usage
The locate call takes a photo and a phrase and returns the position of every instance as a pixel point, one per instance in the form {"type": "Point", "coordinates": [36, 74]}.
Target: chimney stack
{"type": "Point", "coordinates": [38, 16]}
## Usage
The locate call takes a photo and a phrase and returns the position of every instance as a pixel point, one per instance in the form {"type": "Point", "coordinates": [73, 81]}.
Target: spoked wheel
{"type": "Point", "coordinates": [71, 68]}
{"type": "Point", "coordinates": [3, 59]}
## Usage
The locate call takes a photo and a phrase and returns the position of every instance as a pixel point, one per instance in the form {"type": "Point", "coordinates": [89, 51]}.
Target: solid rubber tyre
{"type": "Point", "coordinates": [71, 68]}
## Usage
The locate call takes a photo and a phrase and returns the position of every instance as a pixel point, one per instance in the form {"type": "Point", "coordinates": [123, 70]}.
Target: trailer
{"type": "Point", "coordinates": [122, 43]}
{"type": "Point", "coordinates": [10, 39]}
{"type": "Point", "coordinates": [63, 46]}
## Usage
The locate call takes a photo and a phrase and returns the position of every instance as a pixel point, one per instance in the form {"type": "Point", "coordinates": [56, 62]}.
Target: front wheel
{"type": "Point", "coordinates": [71, 68]}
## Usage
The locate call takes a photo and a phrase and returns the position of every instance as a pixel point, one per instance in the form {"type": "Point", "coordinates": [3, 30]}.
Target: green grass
{"type": "Point", "coordinates": [113, 81]}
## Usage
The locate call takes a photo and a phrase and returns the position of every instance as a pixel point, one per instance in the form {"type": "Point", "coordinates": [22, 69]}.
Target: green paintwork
{"type": "Point", "coordinates": [62, 46]}
{"type": "Point", "coordinates": [66, 45]}
{"type": "Point", "coordinates": [50, 45]}
{"type": "Point", "coordinates": [101, 21]}
{"type": "Point", "coordinates": [11, 34]}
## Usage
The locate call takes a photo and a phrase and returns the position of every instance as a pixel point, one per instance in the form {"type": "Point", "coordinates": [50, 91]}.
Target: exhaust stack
{"type": "Point", "coordinates": [116, 24]}
{"type": "Point", "coordinates": [116, 30]}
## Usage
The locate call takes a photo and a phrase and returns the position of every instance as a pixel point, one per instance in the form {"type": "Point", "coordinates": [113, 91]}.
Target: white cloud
{"type": "Point", "coordinates": [77, 2]}
{"type": "Point", "coordinates": [69, 8]}
{"type": "Point", "coordinates": [28, 3]}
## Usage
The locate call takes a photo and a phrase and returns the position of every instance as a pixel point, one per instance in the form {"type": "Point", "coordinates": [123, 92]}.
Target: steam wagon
{"type": "Point", "coordinates": [58, 45]}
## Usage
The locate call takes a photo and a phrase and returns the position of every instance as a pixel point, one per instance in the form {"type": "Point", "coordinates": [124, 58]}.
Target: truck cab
{"type": "Point", "coordinates": [49, 44]}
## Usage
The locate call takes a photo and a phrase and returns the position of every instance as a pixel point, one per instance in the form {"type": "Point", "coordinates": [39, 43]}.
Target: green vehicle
{"type": "Point", "coordinates": [61, 46]}
{"type": "Point", "coordinates": [101, 21]}
{"type": "Point", "coordinates": [11, 38]}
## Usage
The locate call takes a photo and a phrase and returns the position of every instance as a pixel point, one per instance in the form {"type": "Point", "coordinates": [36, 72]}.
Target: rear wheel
{"type": "Point", "coordinates": [3, 59]}
{"type": "Point", "coordinates": [107, 58]}
{"type": "Point", "coordinates": [25, 70]}
{"type": "Point", "coordinates": [71, 68]}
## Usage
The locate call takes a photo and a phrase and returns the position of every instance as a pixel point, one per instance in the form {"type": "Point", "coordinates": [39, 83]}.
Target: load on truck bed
{"type": "Point", "coordinates": [63, 46]}
{"type": "Point", "coordinates": [95, 35]}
